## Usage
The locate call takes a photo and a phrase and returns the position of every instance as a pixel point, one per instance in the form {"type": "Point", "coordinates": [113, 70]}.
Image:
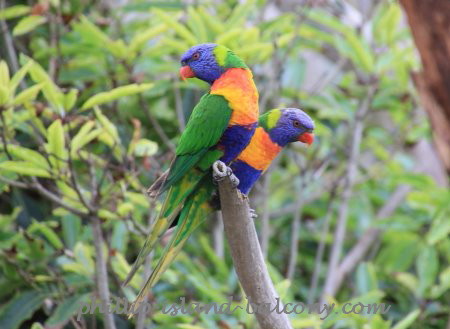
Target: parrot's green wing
{"type": "Point", "coordinates": [195, 211]}
{"type": "Point", "coordinates": [207, 123]}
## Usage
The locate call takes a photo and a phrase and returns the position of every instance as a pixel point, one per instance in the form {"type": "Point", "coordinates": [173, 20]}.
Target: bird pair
{"type": "Point", "coordinates": [225, 125]}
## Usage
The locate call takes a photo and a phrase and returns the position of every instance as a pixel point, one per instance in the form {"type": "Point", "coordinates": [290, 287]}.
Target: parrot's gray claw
{"type": "Point", "coordinates": [252, 213]}
{"type": "Point", "coordinates": [221, 170]}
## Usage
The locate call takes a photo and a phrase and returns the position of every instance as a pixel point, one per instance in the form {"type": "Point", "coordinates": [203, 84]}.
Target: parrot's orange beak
{"type": "Point", "coordinates": [186, 72]}
{"type": "Point", "coordinates": [307, 138]}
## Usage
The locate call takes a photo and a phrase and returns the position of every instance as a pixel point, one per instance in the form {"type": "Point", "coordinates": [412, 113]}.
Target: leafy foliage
{"type": "Point", "coordinates": [90, 117]}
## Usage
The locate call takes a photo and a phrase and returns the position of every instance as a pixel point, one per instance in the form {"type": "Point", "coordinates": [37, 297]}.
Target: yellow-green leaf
{"type": "Point", "coordinates": [141, 38]}
{"type": "Point", "coordinates": [56, 146]}
{"type": "Point", "coordinates": [211, 21]}
{"type": "Point", "coordinates": [28, 155]}
{"type": "Point", "coordinates": [24, 168]}
{"type": "Point", "coordinates": [47, 232]}
{"type": "Point", "coordinates": [51, 91]}
{"type": "Point", "coordinates": [125, 208]}
{"type": "Point", "coordinates": [27, 95]}
{"type": "Point", "coordinates": [145, 147]}
{"type": "Point", "coordinates": [4, 74]}
{"type": "Point", "coordinates": [408, 320]}
{"type": "Point", "coordinates": [83, 137]}
{"type": "Point", "coordinates": [4, 95]}
{"type": "Point", "coordinates": [109, 96]}
{"type": "Point", "coordinates": [20, 74]}
{"type": "Point", "coordinates": [182, 31]}
{"type": "Point", "coordinates": [197, 25]}
{"type": "Point", "coordinates": [14, 11]}
{"type": "Point", "coordinates": [27, 24]}
{"type": "Point", "coordinates": [109, 127]}
{"type": "Point", "coordinates": [70, 98]}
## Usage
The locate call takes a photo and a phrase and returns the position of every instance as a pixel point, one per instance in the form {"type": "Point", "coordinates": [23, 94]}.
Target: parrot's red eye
{"type": "Point", "coordinates": [296, 124]}
{"type": "Point", "coordinates": [196, 56]}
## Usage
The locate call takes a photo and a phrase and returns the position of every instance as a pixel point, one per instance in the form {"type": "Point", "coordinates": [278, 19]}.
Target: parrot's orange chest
{"type": "Point", "coordinates": [237, 87]}
{"type": "Point", "coordinates": [261, 151]}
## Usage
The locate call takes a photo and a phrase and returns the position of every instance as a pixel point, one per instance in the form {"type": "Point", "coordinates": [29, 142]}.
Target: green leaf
{"type": "Point", "coordinates": [28, 155]}
{"type": "Point", "coordinates": [4, 74]}
{"type": "Point", "coordinates": [28, 95]}
{"type": "Point", "coordinates": [109, 96]}
{"type": "Point", "coordinates": [211, 21]}
{"type": "Point", "coordinates": [240, 12]}
{"type": "Point", "coordinates": [37, 325]}
{"type": "Point", "coordinates": [47, 232]}
{"type": "Point", "coordinates": [27, 24]}
{"type": "Point", "coordinates": [141, 38]}
{"type": "Point", "coordinates": [71, 229]}
{"type": "Point", "coordinates": [56, 146]}
{"type": "Point", "coordinates": [440, 228]}
{"type": "Point", "coordinates": [197, 25]}
{"type": "Point", "coordinates": [20, 308]}
{"type": "Point", "coordinates": [427, 266]}
{"type": "Point", "coordinates": [20, 74]}
{"type": "Point", "coordinates": [24, 168]}
{"type": "Point", "coordinates": [408, 280]}
{"type": "Point", "coordinates": [408, 320]}
{"type": "Point", "coordinates": [359, 51]}
{"type": "Point", "coordinates": [70, 98]}
{"type": "Point", "coordinates": [51, 91]}
{"type": "Point", "coordinates": [66, 310]}
{"type": "Point", "coordinates": [182, 31]}
{"type": "Point", "coordinates": [110, 128]}
{"type": "Point", "coordinates": [4, 95]}
{"type": "Point", "coordinates": [84, 136]}
{"type": "Point", "coordinates": [14, 11]}
{"type": "Point", "coordinates": [145, 147]}
{"type": "Point", "coordinates": [366, 279]}
{"type": "Point", "coordinates": [97, 37]}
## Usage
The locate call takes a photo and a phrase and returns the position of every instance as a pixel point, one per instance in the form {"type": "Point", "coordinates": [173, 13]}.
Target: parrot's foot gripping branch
{"type": "Point", "coordinates": [220, 171]}
{"type": "Point", "coordinates": [252, 213]}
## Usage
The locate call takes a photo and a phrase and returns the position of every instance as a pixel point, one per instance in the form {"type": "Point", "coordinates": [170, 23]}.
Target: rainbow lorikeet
{"type": "Point", "coordinates": [220, 127]}
{"type": "Point", "coordinates": [276, 129]}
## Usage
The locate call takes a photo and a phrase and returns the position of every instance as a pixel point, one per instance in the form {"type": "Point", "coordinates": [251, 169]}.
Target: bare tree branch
{"type": "Point", "coordinates": [101, 272]}
{"type": "Point", "coordinates": [356, 254]}
{"type": "Point", "coordinates": [341, 226]}
{"type": "Point", "coordinates": [246, 253]}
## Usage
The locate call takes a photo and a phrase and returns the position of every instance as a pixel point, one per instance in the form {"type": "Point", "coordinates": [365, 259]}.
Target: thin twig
{"type": "Point", "coordinates": [341, 226]}
{"type": "Point", "coordinates": [8, 42]}
{"type": "Point", "coordinates": [321, 248]}
{"type": "Point", "coordinates": [356, 254]}
{"type": "Point", "coordinates": [101, 272]}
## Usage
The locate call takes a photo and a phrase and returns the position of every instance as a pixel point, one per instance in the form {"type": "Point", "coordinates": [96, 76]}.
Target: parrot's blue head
{"type": "Point", "coordinates": [288, 125]}
{"type": "Point", "coordinates": [208, 61]}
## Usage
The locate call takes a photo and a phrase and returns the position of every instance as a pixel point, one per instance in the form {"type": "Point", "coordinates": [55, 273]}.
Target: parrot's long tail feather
{"type": "Point", "coordinates": [192, 215]}
{"type": "Point", "coordinates": [172, 206]}
{"type": "Point", "coordinates": [156, 188]}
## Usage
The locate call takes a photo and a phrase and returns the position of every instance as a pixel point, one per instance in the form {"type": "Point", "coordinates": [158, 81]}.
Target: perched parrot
{"type": "Point", "coordinates": [276, 129]}
{"type": "Point", "coordinates": [220, 127]}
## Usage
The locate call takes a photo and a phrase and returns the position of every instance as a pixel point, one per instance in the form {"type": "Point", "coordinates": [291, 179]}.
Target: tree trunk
{"type": "Point", "coordinates": [430, 25]}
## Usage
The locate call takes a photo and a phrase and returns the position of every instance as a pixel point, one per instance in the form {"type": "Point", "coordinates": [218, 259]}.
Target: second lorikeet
{"type": "Point", "coordinates": [220, 127]}
{"type": "Point", "coordinates": [276, 129]}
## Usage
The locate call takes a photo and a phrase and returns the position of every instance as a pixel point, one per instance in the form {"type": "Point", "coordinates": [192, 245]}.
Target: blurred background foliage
{"type": "Point", "coordinates": [91, 107]}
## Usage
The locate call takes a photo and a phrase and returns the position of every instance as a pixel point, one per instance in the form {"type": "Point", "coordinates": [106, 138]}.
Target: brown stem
{"type": "Point", "coordinates": [101, 272]}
